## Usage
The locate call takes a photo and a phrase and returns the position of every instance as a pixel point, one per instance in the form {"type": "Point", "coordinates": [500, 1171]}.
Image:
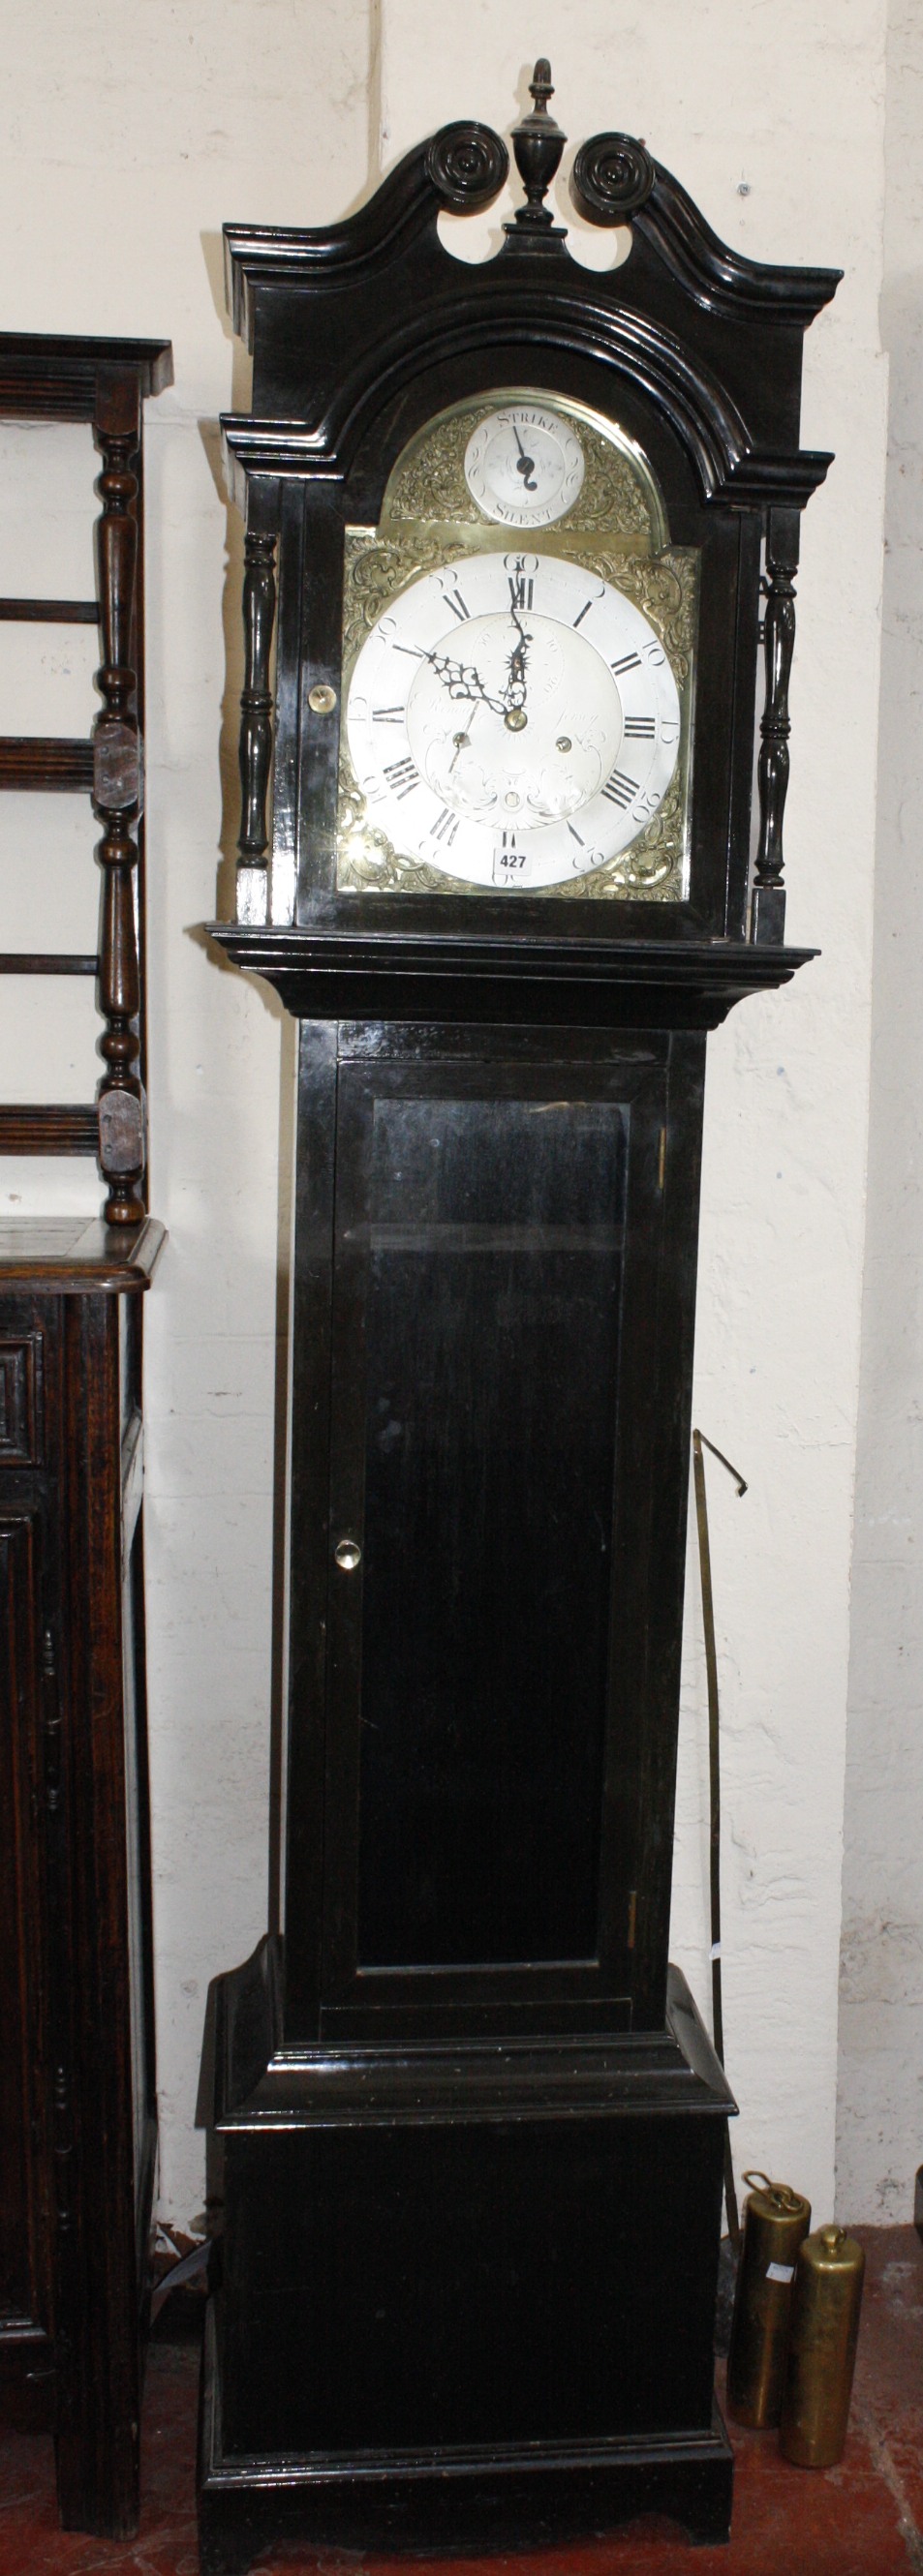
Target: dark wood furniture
{"type": "Point", "coordinates": [473, 2127]}
{"type": "Point", "coordinates": [104, 383]}
{"type": "Point", "coordinates": [78, 2129]}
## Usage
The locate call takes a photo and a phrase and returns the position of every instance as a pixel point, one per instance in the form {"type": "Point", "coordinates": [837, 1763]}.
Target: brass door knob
{"type": "Point", "coordinates": [348, 1555]}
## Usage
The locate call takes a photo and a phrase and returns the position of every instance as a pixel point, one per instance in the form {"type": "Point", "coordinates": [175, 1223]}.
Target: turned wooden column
{"type": "Point", "coordinates": [117, 776]}
{"type": "Point", "coordinates": [259, 609]}
{"type": "Point", "coordinates": [767, 920]}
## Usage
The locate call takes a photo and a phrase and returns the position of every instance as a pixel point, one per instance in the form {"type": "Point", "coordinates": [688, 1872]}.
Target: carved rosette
{"type": "Point", "coordinates": [612, 178]}
{"type": "Point", "coordinates": [468, 165]}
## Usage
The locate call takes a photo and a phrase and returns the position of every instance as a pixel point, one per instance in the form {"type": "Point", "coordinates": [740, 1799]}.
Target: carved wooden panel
{"type": "Point", "coordinates": [20, 1388]}
{"type": "Point", "coordinates": [77, 2106]}
{"type": "Point", "coordinates": [24, 2295]}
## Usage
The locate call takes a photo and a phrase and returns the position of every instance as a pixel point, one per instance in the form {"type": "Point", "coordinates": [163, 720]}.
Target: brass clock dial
{"type": "Point", "coordinates": [513, 721]}
{"type": "Point", "coordinates": [517, 710]}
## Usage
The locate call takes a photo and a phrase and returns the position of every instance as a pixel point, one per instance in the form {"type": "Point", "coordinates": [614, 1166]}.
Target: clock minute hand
{"type": "Point", "coordinates": [525, 465]}
{"type": "Point", "coordinates": [515, 694]}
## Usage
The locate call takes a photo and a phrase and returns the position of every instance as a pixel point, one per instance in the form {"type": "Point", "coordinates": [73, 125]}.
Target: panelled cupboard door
{"type": "Point", "coordinates": [495, 1451]}
{"type": "Point", "coordinates": [24, 2291]}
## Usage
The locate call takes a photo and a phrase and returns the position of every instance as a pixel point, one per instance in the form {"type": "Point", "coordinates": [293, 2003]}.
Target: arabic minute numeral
{"type": "Point", "coordinates": [629, 662]}
{"type": "Point", "coordinates": [402, 775]}
{"type": "Point", "coordinates": [620, 789]}
{"type": "Point", "coordinates": [640, 728]}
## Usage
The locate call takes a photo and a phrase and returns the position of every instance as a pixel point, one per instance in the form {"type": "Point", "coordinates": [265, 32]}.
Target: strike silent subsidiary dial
{"type": "Point", "coordinates": [524, 466]}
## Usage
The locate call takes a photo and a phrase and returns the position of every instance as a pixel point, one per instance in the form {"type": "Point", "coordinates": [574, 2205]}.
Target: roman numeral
{"type": "Point", "coordinates": [640, 728]}
{"type": "Point", "coordinates": [629, 662]}
{"type": "Point", "coordinates": [387, 715]}
{"type": "Point", "coordinates": [619, 789]}
{"type": "Point", "coordinates": [578, 621]}
{"type": "Point", "coordinates": [446, 828]}
{"type": "Point", "coordinates": [576, 836]}
{"type": "Point", "coordinates": [521, 589]}
{"type": "Point", "coordinates": [403, 776]}
{"type": "Point", "coordinates": [453, 599]}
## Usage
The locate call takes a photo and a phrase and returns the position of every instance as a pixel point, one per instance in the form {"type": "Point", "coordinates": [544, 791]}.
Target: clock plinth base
{"type": "Point", "coordinates": [467, 2302]}
{"type": "Point", "coordinates": [488, 2499]}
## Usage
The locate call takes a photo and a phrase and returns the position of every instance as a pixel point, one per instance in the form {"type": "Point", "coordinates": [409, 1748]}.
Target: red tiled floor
{"type": "Point", "coordinates": [863, 2519]}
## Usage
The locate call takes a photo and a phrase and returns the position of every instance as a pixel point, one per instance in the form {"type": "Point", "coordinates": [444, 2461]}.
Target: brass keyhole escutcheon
{"type": "Point", "coordinates": [348, 1555]}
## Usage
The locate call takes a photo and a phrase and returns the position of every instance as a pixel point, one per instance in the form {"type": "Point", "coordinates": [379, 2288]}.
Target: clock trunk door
{"type": "Point", "coordinates": [496, 1255]}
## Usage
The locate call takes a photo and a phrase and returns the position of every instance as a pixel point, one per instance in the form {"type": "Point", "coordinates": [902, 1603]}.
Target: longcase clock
{"type": "Point", "coordinates": [512, 533]}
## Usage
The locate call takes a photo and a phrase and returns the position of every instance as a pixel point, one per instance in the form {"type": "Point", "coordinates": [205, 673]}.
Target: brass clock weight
{"type": "Point", "coordinates": [514, 532]}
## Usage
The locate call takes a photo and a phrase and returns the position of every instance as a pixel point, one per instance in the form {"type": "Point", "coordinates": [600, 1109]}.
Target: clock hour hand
{"type": "Point", "coordinates": [525, 465]}
{"type": "Point", "coordinates": [463, 681]}
{"type": "Point", "coordinates": [466, 684]}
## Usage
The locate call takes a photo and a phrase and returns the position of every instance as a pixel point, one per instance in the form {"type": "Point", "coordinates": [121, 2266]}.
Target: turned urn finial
{"type": "Point", "coordinates": [538, 144]}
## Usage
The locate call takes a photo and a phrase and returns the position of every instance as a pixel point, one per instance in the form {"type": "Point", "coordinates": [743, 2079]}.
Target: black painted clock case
{"type": "Point", "coordinates": [472, 2124]}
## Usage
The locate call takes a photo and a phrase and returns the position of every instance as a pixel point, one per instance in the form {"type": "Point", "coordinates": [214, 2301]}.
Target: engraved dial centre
{"type": "Point", "coordinates": [559, 692]}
